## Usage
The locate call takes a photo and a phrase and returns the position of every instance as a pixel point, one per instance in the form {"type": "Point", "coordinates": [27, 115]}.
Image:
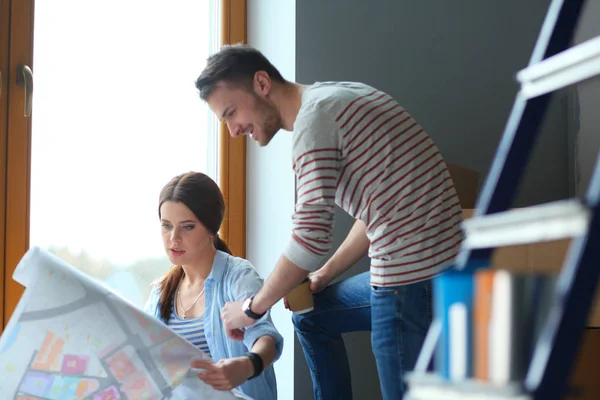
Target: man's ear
{"type": "Point", "coordinates": [262, 83]}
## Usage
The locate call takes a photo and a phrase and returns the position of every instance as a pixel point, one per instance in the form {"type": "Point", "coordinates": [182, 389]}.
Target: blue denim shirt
{"type": "Point", "coordinates": [232, 279]}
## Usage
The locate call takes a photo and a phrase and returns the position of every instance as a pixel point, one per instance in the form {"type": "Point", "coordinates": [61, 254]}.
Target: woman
{"type": "Point", "coordinates": [189, 298]}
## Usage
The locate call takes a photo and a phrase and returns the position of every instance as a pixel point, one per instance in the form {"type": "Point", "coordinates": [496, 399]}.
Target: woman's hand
{"type": "Point", "coordinates": [225, 374]}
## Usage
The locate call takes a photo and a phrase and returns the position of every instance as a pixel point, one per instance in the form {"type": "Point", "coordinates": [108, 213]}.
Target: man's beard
{"type": "Point", "coordinates": [270, 118]}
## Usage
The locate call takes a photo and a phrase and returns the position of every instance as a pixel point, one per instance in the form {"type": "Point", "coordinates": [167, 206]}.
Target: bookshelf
{"type": "Point", "coordinates": [554, 64]}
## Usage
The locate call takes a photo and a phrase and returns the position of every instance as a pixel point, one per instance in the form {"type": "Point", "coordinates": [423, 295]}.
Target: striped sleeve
{"type": "Point", "coordinates": [316, 153]}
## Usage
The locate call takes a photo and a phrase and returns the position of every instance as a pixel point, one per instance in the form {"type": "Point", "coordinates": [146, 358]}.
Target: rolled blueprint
{"type": "Point", "coordinates": [71, 337]}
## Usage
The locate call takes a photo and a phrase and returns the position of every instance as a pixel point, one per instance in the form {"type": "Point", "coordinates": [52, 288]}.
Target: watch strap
{"type": "Point", "coordinates": [257, 362]}
{"type": "Point", "coordinates": [248, 311]}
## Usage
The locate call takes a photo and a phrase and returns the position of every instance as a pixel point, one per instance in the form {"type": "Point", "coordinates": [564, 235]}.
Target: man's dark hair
{"type": "Point", "coordinates": [235, 64]}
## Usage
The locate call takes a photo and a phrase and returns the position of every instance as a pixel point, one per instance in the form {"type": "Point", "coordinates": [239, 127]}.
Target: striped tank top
{"type": "Point", "coordinates": [191, 329]}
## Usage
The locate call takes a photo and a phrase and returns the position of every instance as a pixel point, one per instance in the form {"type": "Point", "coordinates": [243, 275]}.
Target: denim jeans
{"type": "Point", "coordinates": [398, 318]}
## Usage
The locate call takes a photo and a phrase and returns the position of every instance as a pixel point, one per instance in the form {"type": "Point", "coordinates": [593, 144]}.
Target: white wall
{"type": "Point", "coordinates": [270, 178]}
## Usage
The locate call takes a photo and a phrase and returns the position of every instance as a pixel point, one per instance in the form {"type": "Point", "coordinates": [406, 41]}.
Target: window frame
{"type": "Point", "coordinates": [18, 153]}
{"type": "Point", "coordinates": [4, 64]}
{"type": "Point", "coordinates": [232, 157]}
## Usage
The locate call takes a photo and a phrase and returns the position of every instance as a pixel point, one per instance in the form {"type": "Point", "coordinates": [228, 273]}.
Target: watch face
{"type": "Point", "coordinates": [246, 304]}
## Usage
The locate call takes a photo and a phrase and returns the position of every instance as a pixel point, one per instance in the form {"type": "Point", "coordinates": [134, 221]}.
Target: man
{"type": "Point", "coordinates": [356, 147]}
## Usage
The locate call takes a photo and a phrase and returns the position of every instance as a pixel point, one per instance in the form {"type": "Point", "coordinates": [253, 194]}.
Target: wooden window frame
{"type": "Point", "coordinates": [18, 152]}
{"type": "Point", "coordinates": [232, 158]}
{"type": "Point", "coordinates": [15, 148]}
{"type": "Point", "coordinates": [4, 65]}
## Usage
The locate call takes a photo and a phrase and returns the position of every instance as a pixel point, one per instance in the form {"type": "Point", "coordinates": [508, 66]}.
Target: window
{"type": "Point", "coordinates": [115, 116]}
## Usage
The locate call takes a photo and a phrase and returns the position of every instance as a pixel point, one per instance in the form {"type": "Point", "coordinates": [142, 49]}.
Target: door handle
{"type": "Point", "coordinates": [25, 79]}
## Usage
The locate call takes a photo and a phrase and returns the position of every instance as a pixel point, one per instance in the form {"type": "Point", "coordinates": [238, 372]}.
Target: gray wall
{"type": "Point", "coordinates": [452, 66]}
{"type": "Point", "coordinates": [588, 103]}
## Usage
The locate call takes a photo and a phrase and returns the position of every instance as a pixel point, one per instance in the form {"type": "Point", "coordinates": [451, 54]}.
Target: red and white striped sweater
{"type": "Point", "coordinates": [356, 147]}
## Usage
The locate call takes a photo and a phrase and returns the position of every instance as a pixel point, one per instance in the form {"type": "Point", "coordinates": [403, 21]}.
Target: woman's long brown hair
{"type": "Point", "coordinates": [202, 196]}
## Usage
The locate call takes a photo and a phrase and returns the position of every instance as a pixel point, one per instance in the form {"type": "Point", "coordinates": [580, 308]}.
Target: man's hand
{"type": "Point", "coordinates": [226, 374]}
{"type": "Point", "coordinates": [234, 319]}
{"type": "Point", "coordinates": [319, 280]}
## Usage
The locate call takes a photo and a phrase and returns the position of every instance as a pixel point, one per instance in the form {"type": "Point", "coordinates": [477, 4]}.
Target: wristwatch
{"type": "Point", "coordinates": [246, 307]}
{"type": "Point", "coordinates": [257, 362]}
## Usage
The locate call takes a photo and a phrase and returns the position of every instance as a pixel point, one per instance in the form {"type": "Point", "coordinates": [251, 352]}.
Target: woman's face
{"type": "Point", "coordinates": [185, 239]}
